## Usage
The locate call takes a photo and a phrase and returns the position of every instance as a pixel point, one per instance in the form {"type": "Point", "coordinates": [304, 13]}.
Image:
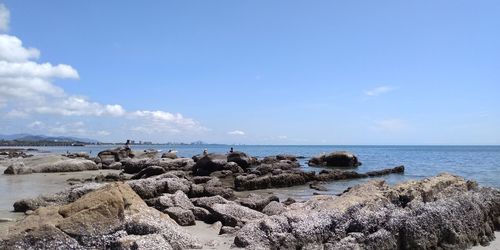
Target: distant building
{"type": "Point", "coordinates": [147, 142]}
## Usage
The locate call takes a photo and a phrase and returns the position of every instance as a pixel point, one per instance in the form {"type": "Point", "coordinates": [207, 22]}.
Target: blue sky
{"type": "Point", "coordinates": [255, 72]}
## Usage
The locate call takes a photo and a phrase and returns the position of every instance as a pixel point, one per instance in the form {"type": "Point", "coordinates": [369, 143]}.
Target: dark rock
{"type": "Point", "coordinates": [251, 182]}
{"type": "Point", "coordinates": [182, 216]}
{"type": "Point", "coordinates": [257, 202]}
{"type": "Point", "coordinates": [335, 159]}
{"type": "Point", "coordinates": [228, 230]}
{"type": "Point", "coordinates": [203, 214]}
{"type": "Point", "coordinates": [148, 172]}
{"type": "Point", "coordinates": [289, 201]}
{"type": "Point", "coordinates": [209, 163]}
{"type": "Point", "coordinates": [317, 186]}
{"type": "Point", "coordinates": [17, 168]}
{"type": "Point", "coordinates": [240, 158]}
{"type": "Point", "coordinates": [396, 170]}
{"type": "Point", "coordinates": [114, 165]}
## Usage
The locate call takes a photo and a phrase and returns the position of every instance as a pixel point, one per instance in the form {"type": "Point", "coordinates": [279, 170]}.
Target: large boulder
{"type": "Point", "coordinates": [49, 164]}
{"type": "Point", "coordinates": [115, 155]}
{"type": "Point", "coordinates": [157, 185]}
{"type": "Point", "coordinates": [335, 159]}
{"type": "Point", "coordinates": [242, 159]}
{"type": "Point", "coordinates": [101, 219]}
{"type": "Point", "coordinates": [209, 163]}
{"type": "Point", "coordinates": [443, 212]}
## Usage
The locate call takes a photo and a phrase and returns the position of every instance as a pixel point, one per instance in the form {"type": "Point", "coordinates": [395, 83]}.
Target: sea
{"type": "Point", "coordinates": [478, 163]}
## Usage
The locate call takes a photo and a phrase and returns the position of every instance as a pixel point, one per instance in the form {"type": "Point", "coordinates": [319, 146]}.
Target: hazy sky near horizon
{"type": "Point", "coordinates": [254, 72]}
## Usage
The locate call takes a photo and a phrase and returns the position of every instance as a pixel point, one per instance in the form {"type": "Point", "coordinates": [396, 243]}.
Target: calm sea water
{"type": "Point", "coordinates": [480, 163]}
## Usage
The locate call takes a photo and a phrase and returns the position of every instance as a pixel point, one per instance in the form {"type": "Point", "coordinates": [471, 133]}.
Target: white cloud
{"type": "Point", "coordinates": [27, 88]}
{"type": "Point", "coordinates": [4, 18]}
{"type": "Point", "coordinates": [379, 90]}
{"type": "Point", "coordinates": [236, 132]}
{"type": "Point", "coordinates": [12, 50]}
{"type": "Point", "coordinates": [390, 125]}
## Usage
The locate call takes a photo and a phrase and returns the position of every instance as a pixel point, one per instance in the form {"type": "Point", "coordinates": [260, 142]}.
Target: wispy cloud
{"type": "Point", "coordinates": [236, 132]}
{"type": "Point", "coordinates": [379, 90]}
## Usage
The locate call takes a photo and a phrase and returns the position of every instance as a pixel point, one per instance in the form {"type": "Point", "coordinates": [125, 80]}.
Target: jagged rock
{"type": "Point", "coordinates": [98, 220]}
{"type": "Point", "coordinates": [233, 167]}
{"type": "Point", "coordinates": [335, 159]}
{"type": "Point", "coordinates": [202, 214]}
{"type": "Point", "coordinates": [257, 202]}
{"type": "Point", "coordinates": [182, 216]}
{"type": "Point", "coordinates": [240, 158]}
{"type": "Point", "coordinates": [209, 163]}
{"type": "Point", "coordinates": [178, 199]}
{"type": "Point", "coordinates": [234, 214]}
{"type": "Point", "coordinates": [148, 172]}
{"type": "Point", "coordinates": [440, 212]}
{"type": "Point", "coordinates": [155, 186]}
{"type": "Point", "coordinates": [273, 208]}
{"type": "Point", "coordinates": [115, 155]}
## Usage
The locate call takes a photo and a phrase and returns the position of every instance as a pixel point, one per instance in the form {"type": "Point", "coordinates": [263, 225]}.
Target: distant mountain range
{"type": "Point", "coordinates": [36, 138]}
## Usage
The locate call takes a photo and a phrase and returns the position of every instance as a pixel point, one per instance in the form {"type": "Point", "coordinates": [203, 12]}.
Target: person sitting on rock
{"type": "Point", "coordinates": [205, 152]}
{"type": "Point", "coordinates": [231, 150]}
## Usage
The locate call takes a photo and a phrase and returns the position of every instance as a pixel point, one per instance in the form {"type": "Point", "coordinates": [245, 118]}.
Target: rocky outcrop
{"type": "Point", "coordinates": [156, 186]}
{"type": "Point", "coordinates": [296, 177]}
{"type": "Point", "coordinates": [443, 212]}
{"type": "Point", "coordinates": [335, 159]}
{"type": "Point", "coordinates": [49, 164]}
{"type": "Point", "coordinates": [111, 216]}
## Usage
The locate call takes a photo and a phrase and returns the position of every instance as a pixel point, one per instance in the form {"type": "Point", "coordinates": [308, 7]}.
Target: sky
{"type": "Point", "coordinates": [252, 72]}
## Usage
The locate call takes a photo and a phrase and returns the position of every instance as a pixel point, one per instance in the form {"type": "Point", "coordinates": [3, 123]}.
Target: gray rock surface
{"type": "Point", "coordinates": [443, 212]}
